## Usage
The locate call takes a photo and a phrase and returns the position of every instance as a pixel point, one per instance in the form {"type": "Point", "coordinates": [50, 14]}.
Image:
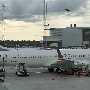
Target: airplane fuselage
{"type": "Point", "coordinates": [76, 54]}
{"type": "Point", "coordinates": [40, 58]}
{"type": "Point", "coordinates": [34, 58]}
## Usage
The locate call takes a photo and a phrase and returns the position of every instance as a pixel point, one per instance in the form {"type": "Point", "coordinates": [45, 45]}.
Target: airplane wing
{"type": "Point", "coordinates": [59, 64]}
{"type": "Point", "coordinates": [59, 60]}
{"type": "Point", "coordinates": [49, 63]}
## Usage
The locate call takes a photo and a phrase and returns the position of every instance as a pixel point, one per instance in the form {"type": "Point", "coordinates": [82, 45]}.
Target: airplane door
{"type": "Point", "coordinates": [5, 58]}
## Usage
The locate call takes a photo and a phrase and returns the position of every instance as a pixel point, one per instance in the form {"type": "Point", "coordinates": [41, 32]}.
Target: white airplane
{"type": "Point", "coordinates": [44, 57]}
{"type": "Point", "coordinates": [76, 54]}
{"type": "Point", "coordinates": [32, 58]}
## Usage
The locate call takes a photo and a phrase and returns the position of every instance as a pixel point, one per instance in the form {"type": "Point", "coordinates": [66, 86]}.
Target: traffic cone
{"type": "Point", "coordinates": [52, 78]}
{"type": "Point", "coordinates": [58, 78]}
{"type": "Point", "coordinates": [65, 77]}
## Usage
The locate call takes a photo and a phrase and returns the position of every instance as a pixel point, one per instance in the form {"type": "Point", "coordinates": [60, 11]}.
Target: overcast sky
{"type": "Point", "coordinates": [24, 18]}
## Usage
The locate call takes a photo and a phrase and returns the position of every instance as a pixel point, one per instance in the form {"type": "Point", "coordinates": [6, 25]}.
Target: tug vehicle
{"type": "Point", "coordinates": [22, 70]}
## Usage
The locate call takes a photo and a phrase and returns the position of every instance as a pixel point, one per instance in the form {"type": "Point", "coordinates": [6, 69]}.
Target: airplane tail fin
{"type": "Point", "coordinates": [59, 54]}
{"type": "Point", "coordinates": [60, 57]}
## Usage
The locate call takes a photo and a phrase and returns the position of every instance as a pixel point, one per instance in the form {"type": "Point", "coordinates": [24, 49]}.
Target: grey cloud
{"type": "Point", "coordinates": [16, 8]}
{"type": "Point", "coordinates": [26, 9]}
{"type": "Point", "coordinates": [56, 6]}
{"type": "Point", "coordinates": [61, 5]}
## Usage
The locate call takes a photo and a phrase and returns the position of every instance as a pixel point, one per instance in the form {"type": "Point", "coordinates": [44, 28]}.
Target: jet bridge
{"type": "Point", "coordinates": [2, 73]}
{"type": "Point", "coordinates": [2, 69]}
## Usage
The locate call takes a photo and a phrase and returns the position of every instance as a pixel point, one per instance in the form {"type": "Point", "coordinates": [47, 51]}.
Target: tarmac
{"type": "Point", "coordinates": [41, 79]}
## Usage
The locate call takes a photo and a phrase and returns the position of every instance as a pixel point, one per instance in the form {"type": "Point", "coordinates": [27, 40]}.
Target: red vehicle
{"type": "Point", "coordinates": [82, 73]}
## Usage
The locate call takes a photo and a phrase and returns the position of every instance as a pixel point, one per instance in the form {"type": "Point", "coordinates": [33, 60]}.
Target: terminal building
{"type": "Point", "coordinates": [69, 36]}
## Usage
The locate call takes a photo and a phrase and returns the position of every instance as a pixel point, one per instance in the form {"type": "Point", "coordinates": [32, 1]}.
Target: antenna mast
{"type": "Point", "coordinates": [3, 28]}
{"type": "Point", "coordinates": [44, 22]}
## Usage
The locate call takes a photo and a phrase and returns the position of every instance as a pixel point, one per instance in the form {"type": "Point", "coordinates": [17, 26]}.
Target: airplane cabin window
{"type": "Point", "coordinates": [0, 55]}
{"type": "Point", "coordinates": [83, 55]}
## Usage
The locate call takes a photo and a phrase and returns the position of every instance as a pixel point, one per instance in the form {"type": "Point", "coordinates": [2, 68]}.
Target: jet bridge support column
{"type": "Point", "coordinates": [2, 71]}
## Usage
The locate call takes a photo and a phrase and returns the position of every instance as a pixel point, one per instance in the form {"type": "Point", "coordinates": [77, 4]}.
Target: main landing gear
{"type": "Point", "coordinates": [58, 70]}
{"type": "Point", "coordinates": [50, 69]}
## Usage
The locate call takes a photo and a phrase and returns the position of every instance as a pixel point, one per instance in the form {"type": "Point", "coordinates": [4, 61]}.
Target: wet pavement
{"type": "Point", "coordinates": [41, 79]}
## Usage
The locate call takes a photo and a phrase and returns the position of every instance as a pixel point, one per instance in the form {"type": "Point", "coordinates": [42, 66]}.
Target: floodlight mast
{"type": "Point", "coordinates": [3, 28]}
{"type": "Point", "coordinates": [45, 23]}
